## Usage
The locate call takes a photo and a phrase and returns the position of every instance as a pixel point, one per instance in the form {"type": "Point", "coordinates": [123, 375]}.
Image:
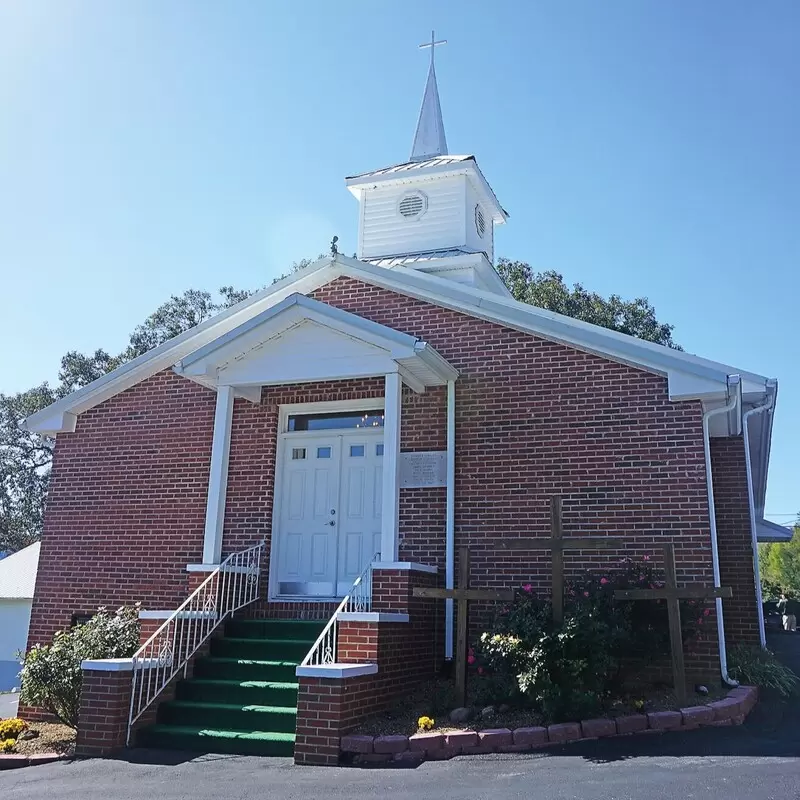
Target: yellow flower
{"type": "Point", "coordinates": [425, 723]}
{"type": "Point", "coordinates": [7, 745]}
{"type": "Point", "coordinates": [638, 704]}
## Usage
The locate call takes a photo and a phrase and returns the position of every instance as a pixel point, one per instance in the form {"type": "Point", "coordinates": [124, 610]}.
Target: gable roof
{"type": "Point", "coordinates": [689, 376]}
{"type": "Point", "coordinates": [18, 573]}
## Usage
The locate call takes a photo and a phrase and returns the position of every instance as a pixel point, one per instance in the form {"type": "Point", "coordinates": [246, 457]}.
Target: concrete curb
{"type": "Point", "coordinates": [19, 760]}
{"type": "Point", "coordinates": [395, 750]}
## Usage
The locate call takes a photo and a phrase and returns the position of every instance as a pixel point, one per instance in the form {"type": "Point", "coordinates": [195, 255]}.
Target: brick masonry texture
{"type": "Point", "coordinates": [103, 715]}
{"type": "Point", "coordinates": [735, 540]}
{"type": "Point", "coordinates": [534, 418]}
{"type": "Point", "coordinates": [366, 750]}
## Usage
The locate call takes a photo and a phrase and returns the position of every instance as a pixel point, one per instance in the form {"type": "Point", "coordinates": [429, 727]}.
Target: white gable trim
{"type": "Point", "coordinates": [690, 377]}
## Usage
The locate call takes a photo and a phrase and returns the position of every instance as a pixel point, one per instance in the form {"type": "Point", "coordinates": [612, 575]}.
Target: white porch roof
{"type": "Point", "coordinates": [301, 339]}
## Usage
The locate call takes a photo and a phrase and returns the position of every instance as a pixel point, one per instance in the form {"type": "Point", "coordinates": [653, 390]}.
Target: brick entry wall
{"type": "Point", "coordinates": [406, 653]}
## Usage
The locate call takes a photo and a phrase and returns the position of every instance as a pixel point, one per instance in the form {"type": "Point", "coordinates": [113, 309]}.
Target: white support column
{"type": "Point", "coordinates": [390, 514]}
{"type": "Point", "coordinates": [218, 476]}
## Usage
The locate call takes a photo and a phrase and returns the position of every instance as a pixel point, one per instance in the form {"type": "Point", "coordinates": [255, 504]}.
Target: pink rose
{"type": "Point", "coordinates": [470, 659]}
{"type": "Point", "coordinates": [480, 670]}
{"type": "Point", "coordinates": [586, 594]}
{"type": "Point", "coordinates": [706, 612]}
{"type": "Point", "coordinates": [603, 581]}
{"type": "Point", "coordinates": [527, 588]}
{"type": "Point", "coordinates": [645, 558]}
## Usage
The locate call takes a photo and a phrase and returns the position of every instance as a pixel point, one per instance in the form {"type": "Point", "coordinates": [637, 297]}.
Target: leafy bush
{"type": "Point", "coordinates": [751, 665]}
{"type": "Point", "coordinates": [573, 670]}
{"type": "Point", "coordinates": [51, 674]}
{"type": "Point", "coordinates": [11, 728]}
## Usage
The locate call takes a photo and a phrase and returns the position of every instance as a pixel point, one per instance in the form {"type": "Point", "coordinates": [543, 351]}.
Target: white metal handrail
{"type": "Point", "coordinates": [359, 598]}
{"type": "Point", "coordinates": [231, 586]}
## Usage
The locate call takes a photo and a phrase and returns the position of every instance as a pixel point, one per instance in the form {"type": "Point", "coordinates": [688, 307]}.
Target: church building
{"type": "Point", "coordinates": [357, 423]}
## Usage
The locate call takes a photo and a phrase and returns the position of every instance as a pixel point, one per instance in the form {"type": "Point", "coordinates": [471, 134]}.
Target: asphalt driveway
{"type": "Point", "coordinates": [758, 761]}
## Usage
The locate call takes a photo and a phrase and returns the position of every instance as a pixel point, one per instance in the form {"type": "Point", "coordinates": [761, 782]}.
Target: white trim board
{"type": "Point", "coordinates": [336, 671]}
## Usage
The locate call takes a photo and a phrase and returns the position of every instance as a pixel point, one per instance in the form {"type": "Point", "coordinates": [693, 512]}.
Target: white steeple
{"type": "Point", "coordinates": [429, 139]}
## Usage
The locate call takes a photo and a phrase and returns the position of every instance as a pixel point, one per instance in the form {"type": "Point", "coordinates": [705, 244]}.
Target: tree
{"type": "Point", "coordinates": [25, 457]}
{"type": "Point", "coordinates": [548, 290]}
{"type": "Point", "coordinates": [779, 565]}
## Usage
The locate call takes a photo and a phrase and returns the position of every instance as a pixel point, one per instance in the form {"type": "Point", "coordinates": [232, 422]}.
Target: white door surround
{"type": "Point", "coordinates": [328, 511]}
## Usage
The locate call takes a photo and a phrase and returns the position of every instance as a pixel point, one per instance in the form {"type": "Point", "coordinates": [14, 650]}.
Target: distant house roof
{"type": "Point", "coordinates": [18, 573]}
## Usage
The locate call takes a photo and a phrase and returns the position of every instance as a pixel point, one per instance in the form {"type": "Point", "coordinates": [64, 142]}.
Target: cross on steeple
{"type": "Point", "coordinates": [429, 139]}
{"type": "Point", "coordinates": [432, 44]}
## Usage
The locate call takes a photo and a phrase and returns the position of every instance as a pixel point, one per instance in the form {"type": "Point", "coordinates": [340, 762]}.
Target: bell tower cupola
{"type": "Point", "coordinates": [435, 212]}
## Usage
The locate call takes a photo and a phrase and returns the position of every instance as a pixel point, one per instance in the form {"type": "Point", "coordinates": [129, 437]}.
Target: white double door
{"type": "Point", "coordinates": [329, 520]}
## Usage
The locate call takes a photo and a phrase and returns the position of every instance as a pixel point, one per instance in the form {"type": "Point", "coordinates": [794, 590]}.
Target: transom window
{"type": "Point", "coordinates": [344, 419]}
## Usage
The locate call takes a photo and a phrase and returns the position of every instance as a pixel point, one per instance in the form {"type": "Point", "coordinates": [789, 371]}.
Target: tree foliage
{"type": "Point", "coordinates": [779, 564]}
{"type": "Point", "coordinates": [25, 458]}
{"type": "Point", "coordinates": [548, 290]}
{"type": "Point", "coordinates": [51, 673]}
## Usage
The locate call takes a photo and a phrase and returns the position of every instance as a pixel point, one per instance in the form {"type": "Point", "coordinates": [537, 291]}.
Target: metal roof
{"type": "Point", "coordinates": [416, 258]}
{"type": "Point", "coordinates": [18, 573]}
{"type": "Point", "coordinates": [410, 166]}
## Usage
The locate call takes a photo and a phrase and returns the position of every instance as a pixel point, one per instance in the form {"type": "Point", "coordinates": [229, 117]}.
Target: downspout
{"type": "Point", "coordinates": [733, 380]}
{"type": "Point", "coordinates": [450, 517]}
{"type": "Point", "coordinates": [765, 406]}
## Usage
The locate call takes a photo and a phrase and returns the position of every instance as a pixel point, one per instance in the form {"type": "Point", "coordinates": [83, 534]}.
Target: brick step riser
{"type": "Point", "coordinates": [246, 695]}
{"type": "Point", "coordinates": [261, 650]}
{"type": "Point", "coordinates": [212, 744]}
{"type": "Point", "coordinates": [226, 719]}
{"type": "Point", "coordinates": [243, 672]}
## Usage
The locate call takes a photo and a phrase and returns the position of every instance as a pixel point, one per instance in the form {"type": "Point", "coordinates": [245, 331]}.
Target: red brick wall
{"type": "Point", "coordinates": [103, 715]}
{"type": "Point", "coordinates": [126, 507]}
{"type": "Point", "coordinates": [734, 539]}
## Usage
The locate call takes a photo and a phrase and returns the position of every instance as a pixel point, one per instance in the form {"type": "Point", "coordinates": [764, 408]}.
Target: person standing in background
{"type": "Point", "coordinates": [788, 611]}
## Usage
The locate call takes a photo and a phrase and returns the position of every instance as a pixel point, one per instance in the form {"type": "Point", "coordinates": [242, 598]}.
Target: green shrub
{"type": "Point", "coordinates": [51, 674]}
{"type": "Point", "coordinates": [575, 669]}
{"type": "Point", "coordinates": [749, 664]}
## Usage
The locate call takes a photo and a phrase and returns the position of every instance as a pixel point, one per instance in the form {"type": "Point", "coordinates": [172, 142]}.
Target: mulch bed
{"type": "Point", "coordinates": [52, 738]}
{"type": "Point", "coordinates": [431, 699]}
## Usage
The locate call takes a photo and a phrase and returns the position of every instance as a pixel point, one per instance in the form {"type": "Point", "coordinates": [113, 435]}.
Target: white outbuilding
{"type": "Point", "coordinates": [17, 582]}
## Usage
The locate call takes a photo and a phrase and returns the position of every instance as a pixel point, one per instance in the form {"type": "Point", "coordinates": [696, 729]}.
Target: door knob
{"type": "Point", "coordinates": [331, 523]}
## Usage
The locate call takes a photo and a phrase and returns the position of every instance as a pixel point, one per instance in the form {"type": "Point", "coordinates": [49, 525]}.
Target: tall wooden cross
{"type": "Point", "coordinates": [673, 595]}
{"type": "Point", "coordinates": [558, 543]}
{"type": "Point", "coordinates": [463, 594]}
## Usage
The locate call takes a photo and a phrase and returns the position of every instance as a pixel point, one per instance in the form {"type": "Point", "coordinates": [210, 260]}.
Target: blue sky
{"type": "Point", "coordinates": [642, 147]}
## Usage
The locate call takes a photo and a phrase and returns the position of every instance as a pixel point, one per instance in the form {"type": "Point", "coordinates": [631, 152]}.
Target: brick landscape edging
{"type": "Point", "coordinates": [17, 760]}
{"type": "Point", "coordinates": [362, 750]}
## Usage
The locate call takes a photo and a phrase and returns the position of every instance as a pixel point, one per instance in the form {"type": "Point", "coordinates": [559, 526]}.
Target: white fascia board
{"type": "Point", "coordinates": [294, 309]}
{"type": "Point", "coordinates": [767, 531]}
{"type": "Point", "coordinates": [60, 417]}
{"type": "Point", "coordinates": [548, 324]}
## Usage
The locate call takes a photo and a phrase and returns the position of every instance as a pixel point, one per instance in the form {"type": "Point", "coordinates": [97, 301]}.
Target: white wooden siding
{"type": "Point", "coordinates": [385, 232]}
{"type": "Point", "coordinates": [474, 242]}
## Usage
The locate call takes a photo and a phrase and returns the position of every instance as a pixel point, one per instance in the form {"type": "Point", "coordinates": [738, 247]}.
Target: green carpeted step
{"type": "Point", "coordinates": [212, 740]}
{"type": "Point", "coordinates": [267, 693]}
{"type": "Point", "coordinates": [227, 716]}
{"type": "Point", "coordinates": [282, 649]}
{"type": "Point", "coordinates": [245, 669]}
{"type": "Point", "coordinates": [301, 630]}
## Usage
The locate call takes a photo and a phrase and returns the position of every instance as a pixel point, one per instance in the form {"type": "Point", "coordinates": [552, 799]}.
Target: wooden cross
{"type": "Point", "coordinates": [673, 595]}
{"type": "Point", "coordinates": [463, 594]}
{"type": "Point", "coordinates": [558, 543]}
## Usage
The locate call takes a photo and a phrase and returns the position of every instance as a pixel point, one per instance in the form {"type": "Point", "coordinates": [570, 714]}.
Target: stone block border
{"type": "Point", "coordinates": [360, 750]}
{"type": "Point", "coordinates": [16, 761]}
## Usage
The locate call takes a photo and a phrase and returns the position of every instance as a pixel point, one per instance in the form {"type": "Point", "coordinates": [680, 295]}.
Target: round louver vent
{"type": "Point", "coordinates": [480, 222]}
{"type": "Point", "coordinates": [412, 205]}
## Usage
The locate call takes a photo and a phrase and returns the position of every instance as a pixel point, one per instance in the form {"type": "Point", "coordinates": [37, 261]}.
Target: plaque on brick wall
{"type": "Point", "coordinates": [422, 470]}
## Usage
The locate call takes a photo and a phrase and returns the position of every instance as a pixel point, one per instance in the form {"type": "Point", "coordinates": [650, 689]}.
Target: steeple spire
{"type": "Point", "coordinates": [429, 140]}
